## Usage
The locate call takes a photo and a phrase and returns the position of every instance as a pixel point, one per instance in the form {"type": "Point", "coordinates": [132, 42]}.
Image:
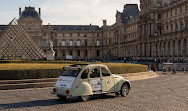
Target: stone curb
{"type": "Point", "coordinates": [50, 82]}
{"type": "Point", "coordinates": [27, 81]}
{"type": "Point", "coordinates": [140, 75]}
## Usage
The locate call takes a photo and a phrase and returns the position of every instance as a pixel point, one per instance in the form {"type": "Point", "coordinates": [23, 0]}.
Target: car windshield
{"type": "Point", "coordinates": [72, 73]}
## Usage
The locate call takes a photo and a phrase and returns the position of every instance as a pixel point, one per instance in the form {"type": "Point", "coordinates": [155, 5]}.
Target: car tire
{"type": "Point", "coordinates": [84, 98]}
{"type": "Point", "coordinates": [124, 90]}
{"type": "Point", "coordinates": [61, 97]}
{"type": "Point", "coordinates": [117, 93]}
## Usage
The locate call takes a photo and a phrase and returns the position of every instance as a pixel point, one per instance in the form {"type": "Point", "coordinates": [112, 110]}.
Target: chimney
{"type": "Point", "coordinates": [49, 25]}
{"type": "Point", "coordinates": [40, 12]}
{"type": "Point", "coordinates": [104, 22]}
{"type": "Point", "coordinates": [20, 11]}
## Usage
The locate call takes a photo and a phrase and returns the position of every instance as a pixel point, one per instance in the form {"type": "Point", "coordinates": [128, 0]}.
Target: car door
{"type": "Point", "coordinates": [95, 80]}
{"type": "Point", "coordinates": [107, 80]}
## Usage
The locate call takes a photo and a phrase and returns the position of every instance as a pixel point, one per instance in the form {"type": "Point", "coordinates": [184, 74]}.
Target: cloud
{"type": "Point", "coordinates": [67, 12]}
{"type": "Point", "coordinates": [7, 17]}
{"type": "Point", "coordinates": [81, 12]}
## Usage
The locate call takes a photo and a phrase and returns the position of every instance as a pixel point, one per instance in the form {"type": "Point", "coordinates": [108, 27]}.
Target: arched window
{"type": "Point", "coordinates": [185, 47]}
{"type": "Point", "coordinates": [63, 53]}
{"type": "Point", "coordinates": [71, 43]}
{"type": "Point", "coordinates": [171, 27]}
{"type": "Point", "coordinates": [176, 26]}
{"type": "Point", "coordinates": [63, 43]}
{"type": "Point", "coordinates": [78, 43]}
{"type": "Point", "coordinates": [181, 25]}
{"type": "Point", "coordinates": [186, 24]}
{"type": "Point", "coordinates": [98, 43]}
{"type": "Point", "coordinates": [167, 28]}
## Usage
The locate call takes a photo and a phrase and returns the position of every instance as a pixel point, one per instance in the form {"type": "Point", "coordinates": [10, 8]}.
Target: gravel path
{"type": "Point", "coordinates": [164, 93]}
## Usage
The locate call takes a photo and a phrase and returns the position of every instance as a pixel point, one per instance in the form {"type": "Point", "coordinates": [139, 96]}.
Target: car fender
{"type": "Point", "coordinates": [82, 89]}
{"type": "Point", "coordinates": [121, 82]}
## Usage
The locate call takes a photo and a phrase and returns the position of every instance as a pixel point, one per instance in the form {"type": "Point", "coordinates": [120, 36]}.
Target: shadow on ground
{"type": "Point", "coordinates": [50, 102]}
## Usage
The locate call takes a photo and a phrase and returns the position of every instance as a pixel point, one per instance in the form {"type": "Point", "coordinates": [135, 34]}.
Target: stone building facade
{"type": "Point", "coordinates": [79, 41]}
{"type": "Point", "coordinates": [158, 31]}
{"type": "Point", "coordinates": [115, 36]}
{"type": "Point", "coordinates": [162, 30]}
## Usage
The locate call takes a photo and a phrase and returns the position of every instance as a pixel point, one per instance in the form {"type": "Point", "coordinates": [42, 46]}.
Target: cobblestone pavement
{"type": "Point", "coordinates": [164, 93]}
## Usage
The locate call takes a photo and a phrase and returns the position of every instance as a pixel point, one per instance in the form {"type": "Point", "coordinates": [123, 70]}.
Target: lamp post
{"type": "Point", "coordinates": [85, 37]}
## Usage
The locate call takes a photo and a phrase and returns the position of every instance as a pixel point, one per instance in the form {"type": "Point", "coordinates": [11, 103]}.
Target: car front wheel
{"type": "Point", "coordinates": [124, 90]}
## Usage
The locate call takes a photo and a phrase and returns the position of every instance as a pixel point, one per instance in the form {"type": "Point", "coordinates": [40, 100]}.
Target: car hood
{"type": "Point", "coordinates": [116, 76]}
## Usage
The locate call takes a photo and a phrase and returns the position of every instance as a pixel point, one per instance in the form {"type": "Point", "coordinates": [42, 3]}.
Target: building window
{"type": "Point", "coordinates": [55, 53]}
{"type": "Point", "coordinates": [180, 9]}
{"type": "Point", "coordinates": [70, 34]}
{"type": "Point", "coordinates": [98, 43]}
{"type": "Point", "coordinates": [45, 34]}
{"type": "Point", "coordinates": [175, 11]}
{"type": "Point", "coordinates": [160, 30]}
{"type": "Point", "coordinates": [176, 27]}
{"type": "Point", "coordinates": [166, 28]}
{"type": "Point", "coordinates": [55, 43]}
{"type": "Point", "coordinates": [85, 42]}
{"type": "Point", "coordinates": [71, 44]}
{"type": "Point", "coordinates": [181, 25]}
{"type": "Point", "coordinates": [172, 27]}
{"type": "Point", "coordinates": [78, 43]}
{"type": "Point", "coordinates": [63, 53]}
{"type": "Point", "coordinates": [97, 34]}
{"type": "Point", "coordinates": [171, 13]}
{"type": "Point", "coordinates": [159, 16]}
{"type": "Point", "coordinates": [98, 52]}
{"type": "Point", "coordinates": [124, 29]}
{"type": "Point", "coordinates": [85, 52]}
{"type": "Point", "coordinates": [186, 8]}
{"type": "Point", "coordinates": [78, 53]}
{"type": "Point", "coordinates": [70, 52]}
{"type": "Point", "coordinates": [78, 34]}
{"type": "Point", "coordinates": [153, 16]}
{"type": "Point", "coordinates": [63, 43]}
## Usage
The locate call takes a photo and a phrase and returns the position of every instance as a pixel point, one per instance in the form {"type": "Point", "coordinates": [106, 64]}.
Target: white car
{"type": "Point", "coordinates": [84, 80]}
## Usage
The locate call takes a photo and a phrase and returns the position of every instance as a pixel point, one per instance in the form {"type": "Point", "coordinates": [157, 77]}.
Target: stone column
{"type": "Point", "coordinates": [164, 49]}
{"type": "Point", "coordinates": [182, 47]}
{"type": "Point", "coordinates": [143, 49]}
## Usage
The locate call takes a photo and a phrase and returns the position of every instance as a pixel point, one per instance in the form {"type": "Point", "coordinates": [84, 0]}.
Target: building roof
{"type": "Point", "coordinates": [2, 27]}
{"type": "Point", "coordinates": [67, 27]}
{"type": "Point", "coordinates": [75, 27]}
{"type": "Point", "coordinates": [29, 12]}
{"type": "Point", "coordinates": [130, 11]}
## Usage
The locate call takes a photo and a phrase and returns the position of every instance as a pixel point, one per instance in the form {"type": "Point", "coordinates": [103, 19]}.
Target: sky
{"type": "Point", "coordinates": [66, 12]}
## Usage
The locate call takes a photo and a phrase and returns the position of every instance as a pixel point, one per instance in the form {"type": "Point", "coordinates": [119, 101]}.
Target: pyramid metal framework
{"type": "Point", "coordinates": [16, 43]}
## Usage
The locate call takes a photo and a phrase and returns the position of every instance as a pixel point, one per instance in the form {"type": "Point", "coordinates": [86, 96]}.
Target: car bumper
{"type": "Point", "coordinates": [61, 91]}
